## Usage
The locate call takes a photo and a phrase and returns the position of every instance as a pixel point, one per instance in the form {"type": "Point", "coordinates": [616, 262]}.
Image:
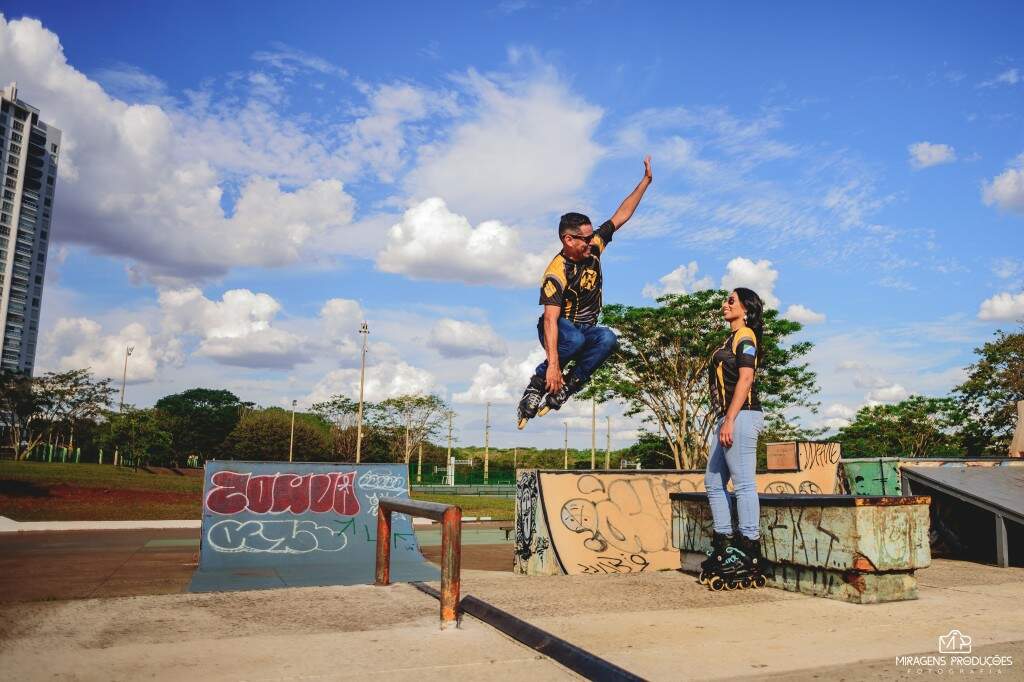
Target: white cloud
{"type": "Point", "coordinates": [237, 330]}
{"type": "Point", "coordinates": [1008, 268]}
{"type": "Point", "coordinates": [925, 154]}
{"type": "Point", "coordinates": [79, 342]}
{"type": "Point", "coordinates": [460, 339]}
{"type": "Point", "coordinates": [146, 181]}
{"type": "Point", "coordinates": [500, 383]}
{"type": "Point", "coordinates": [1004, 306]}
{"type": "Point", "coordinates": [759, 276]}
{"type": "Point", "coordinates": [803, 314]}
{"type": "Point", "coordinates": [680, 281]}
{"type": "Point", "coordinates": [525, 148]}
{"type": "Point", "coordinates": [341, 318]}
{"type": "Point", "coordinates": [1006, 190]}
{"type": "Point", "coordinates": [840, 410]}
{"type": "Point", "coordinates": [1008, 77]}
{"type": "Point", "coordinates": [292, 61]}
{"type": "Point", "coordinates": [431, 242]}
{"type": "Point", "coordinates": [382, 381]}
{"type": "Point", "coordinates": [891, 393]}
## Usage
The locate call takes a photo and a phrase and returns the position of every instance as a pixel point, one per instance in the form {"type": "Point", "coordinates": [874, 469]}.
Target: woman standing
{"type": "Point", "coordinates": [735, 562]}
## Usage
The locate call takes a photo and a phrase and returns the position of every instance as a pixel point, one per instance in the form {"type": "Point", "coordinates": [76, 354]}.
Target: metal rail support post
{"type": "Point", "coordinates": [451, 547]}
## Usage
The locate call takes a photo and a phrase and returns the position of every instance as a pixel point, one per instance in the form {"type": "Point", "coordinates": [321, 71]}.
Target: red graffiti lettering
{"type": "Point", "coordinates": [228, 494]}
{"type": "Point", "coordinates": [278, 493]}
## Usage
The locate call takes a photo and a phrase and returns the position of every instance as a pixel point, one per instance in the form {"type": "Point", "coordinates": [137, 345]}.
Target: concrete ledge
{"type": "Point", "coordinates": [855, 549]}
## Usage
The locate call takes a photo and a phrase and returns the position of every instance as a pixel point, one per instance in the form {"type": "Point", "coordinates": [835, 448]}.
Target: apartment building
{"type": "Point", "coordinates": [28, 165]}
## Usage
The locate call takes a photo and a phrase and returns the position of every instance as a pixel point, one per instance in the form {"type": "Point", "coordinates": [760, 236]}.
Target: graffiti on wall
{"type": "Point", "coordinates": [293, 512]}
{"type": "Point", "coordinates": [620, 522]}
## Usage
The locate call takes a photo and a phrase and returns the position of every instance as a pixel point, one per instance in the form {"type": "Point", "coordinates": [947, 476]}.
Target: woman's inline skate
{"type": "Point", "coordinates": [741, 567]}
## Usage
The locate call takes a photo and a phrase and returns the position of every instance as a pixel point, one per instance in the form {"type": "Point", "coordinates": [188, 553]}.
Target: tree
{"type": "Point", "coordinates": [199, 419]}
{"type": "Point", "coordinates": [988, 398]}
{"type": "Point", "coordinates": [915, 427]}
{"type": "Point", "coordinates": [342, 414]}
{"type": "Point", "coordinates": [651, 450]}
{"type": "Point", "coordinates": [32, 407]}
{"type": "Point", "coordinates": [138, 434]}
{"type": "Point", "coordinates": [266, 434]}
{"type": "Point", "coordinates": [660, 370]}
{"type": "Point", "coordinates": [409, 420]}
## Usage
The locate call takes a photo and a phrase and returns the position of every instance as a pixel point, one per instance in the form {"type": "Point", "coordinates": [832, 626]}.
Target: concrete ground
{"type": "Point", "coordinates": [662, 626]}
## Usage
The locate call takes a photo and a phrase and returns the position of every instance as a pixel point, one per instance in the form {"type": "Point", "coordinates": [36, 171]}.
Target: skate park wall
{"type": "Point", "coordinates": [281, 524]}
{"type": "Point", "coordinates": [603, 522]}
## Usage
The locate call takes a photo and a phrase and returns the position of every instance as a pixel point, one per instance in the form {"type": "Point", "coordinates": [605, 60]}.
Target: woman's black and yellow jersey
{"type": "Point", "coordinates": [575, 286]}
{"type": "Point", "coordinates": [739, 350]}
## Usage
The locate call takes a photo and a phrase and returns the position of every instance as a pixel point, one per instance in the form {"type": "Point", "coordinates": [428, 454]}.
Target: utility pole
{"type": "Point", "coordinates": [124, 377]}
{"type": "Point", "coordinates": [419, 466]}
{"type": "Point", "coordinates": [291, 441]}
{"type": "Point", "coordinates": [608, 446]}
{"type": "Point", "coordinates": [593, 434]}
{"type": "Point", "coordinates": [364, 329]}
{"type": "Point", "coordinates": [565, 463]}
{"type": "Point", "coordinates": [487, 442]}
{"type": "Point", "coordinates": [450, 415]}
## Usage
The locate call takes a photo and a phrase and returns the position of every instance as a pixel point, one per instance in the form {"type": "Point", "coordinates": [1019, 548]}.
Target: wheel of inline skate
{"type": "Point", "coordinates": [716, 584]}
{"type": "Point", "coordinates": [731, 585]}
{"type": "Point", "coordinates": [747, 582]}
{"type": "Point", "coordinates": [760, 581]}
{"type": "Point", "coordinates": [702, 578]}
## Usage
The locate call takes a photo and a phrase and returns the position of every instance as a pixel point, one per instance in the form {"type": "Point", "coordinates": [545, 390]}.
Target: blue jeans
{"type": "Point", "coordinates": [587, 344]}
{"type": "Point", "coordinates": [740, 463]}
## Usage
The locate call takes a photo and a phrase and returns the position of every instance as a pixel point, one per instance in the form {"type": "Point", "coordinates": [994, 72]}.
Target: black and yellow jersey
{"type": "Point", "coordinates": [739, 350]}
{"type": "Point", "coordinates": [575, 286]}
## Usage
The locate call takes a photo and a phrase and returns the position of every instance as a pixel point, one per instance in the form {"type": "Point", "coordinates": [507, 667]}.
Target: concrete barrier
{"type": "Point", "coordinates": [857, 549]}
{"type": "Point", "coordinates": [280, 524]}
{"type": "Point", "coordinates": [602, 522]}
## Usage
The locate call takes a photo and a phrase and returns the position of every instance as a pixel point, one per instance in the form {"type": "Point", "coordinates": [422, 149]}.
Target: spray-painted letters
{"type": "Point", "coordinates": [324, 493]}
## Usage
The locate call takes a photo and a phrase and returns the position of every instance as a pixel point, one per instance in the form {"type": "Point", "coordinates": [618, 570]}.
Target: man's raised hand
{"type": "Point", "coordinates": [647, 168]}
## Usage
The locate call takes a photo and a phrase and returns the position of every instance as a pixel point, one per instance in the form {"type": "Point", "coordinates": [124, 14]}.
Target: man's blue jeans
{"type": "Point", "coordinates": [738, 462]}
{"type": "Point", "coordinates": [587, 344]}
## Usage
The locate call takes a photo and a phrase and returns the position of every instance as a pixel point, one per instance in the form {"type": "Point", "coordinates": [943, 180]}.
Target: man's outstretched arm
{"type": "Point", "coordinates": [629, 204]}
{"type": "Point", "coordinates": [554, 375]}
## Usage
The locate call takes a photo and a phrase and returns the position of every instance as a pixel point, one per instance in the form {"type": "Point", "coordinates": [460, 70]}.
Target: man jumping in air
{"type": "Point", "coordinates": [571, 295]}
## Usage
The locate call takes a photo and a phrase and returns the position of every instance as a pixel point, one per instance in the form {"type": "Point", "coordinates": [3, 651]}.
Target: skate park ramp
{"type": "Point", "coordinates": [977, 512]}
{"type": "Point", "coordinates": [603, 522]}
{"type": "Point", "coordinates": [276, 524]}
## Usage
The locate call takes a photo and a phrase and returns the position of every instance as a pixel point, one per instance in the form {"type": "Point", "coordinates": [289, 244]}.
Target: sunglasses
{"type": "Point", "coordinates": [581, 237]}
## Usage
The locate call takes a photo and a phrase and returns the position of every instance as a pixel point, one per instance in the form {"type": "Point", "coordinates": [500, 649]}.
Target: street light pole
{"type": "Point", "coordinates": [291, 440]}
{"type": "Point", "coordinates": [364, 329]}
{"type": "Point", "coordinates": [593, 434]}
{"type": "Point", "coordinates": [124, 377]}
{"type": "Point", "coordinates": [487, 442]}
{"type": "Point", "coordinates": [565, 462]}
{"type": "Point", "coordinates": [608, 446]}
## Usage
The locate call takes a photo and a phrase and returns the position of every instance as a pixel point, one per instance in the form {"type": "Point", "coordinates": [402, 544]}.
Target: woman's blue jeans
{"type": "Point", "coordinates": [739, 463]}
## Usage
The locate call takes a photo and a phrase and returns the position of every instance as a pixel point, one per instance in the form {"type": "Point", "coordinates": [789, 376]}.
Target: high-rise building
{"type": "Point", "coordinates": [28, 166]}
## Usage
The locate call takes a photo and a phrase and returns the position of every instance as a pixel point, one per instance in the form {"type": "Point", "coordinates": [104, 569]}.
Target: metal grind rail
{"type": "Point", "coordinates": [569, 655]}
{"type": "Point", "coordinates": [451, 546]}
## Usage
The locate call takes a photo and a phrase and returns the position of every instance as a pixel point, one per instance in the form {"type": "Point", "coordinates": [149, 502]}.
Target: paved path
{"type": "Point", "coordinates": [120, 563]}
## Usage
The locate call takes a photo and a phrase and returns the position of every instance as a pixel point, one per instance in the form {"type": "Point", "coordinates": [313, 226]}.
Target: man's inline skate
{"type": "Point", "coordinates": [554, 401]}
{"type": "Point", "coordinates": [531, 400]}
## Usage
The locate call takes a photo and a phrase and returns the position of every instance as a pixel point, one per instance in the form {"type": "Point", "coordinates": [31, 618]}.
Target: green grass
{"type": "Point", "coordinates": [498, 508]}
{"type": "Point", "coordinates": [99, 476]}
{"type": "Point", "coordinates": [184, 504]}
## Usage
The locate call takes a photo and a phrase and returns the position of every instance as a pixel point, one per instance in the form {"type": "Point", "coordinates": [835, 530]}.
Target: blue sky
{"type": "Point", "coordinates": [241, 186]}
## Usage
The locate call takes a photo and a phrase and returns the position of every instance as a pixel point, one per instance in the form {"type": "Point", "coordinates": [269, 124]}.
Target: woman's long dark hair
{"type": "Point", "coordinates": [754, 318]}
